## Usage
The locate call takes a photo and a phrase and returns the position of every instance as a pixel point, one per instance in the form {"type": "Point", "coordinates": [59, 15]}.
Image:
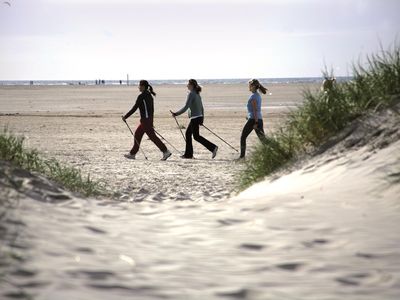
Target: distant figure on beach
{"type": "Point", "coordinates": [254, 116]}
{"type": "Point", "coordinates": [196, 115]}
{"type": "Point", "coordinates": [120, 82]}
{"type": "Point", "coordinates": [145, 103]}
{"type": "Point", "coordinates": [328, 84]}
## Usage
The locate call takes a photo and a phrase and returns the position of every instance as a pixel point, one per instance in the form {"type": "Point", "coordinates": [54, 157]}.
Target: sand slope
{"type": "Point", "coordinates": [362, 161]}
{"type": "Point", "coordinates": [327, 229]}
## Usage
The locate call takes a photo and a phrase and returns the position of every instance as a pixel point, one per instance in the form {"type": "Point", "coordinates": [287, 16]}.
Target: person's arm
{"type": "Point", "coordinates": [202, 113]}
{"type": "Point", "coordinates": [254, 105]}
{"type": "Point", "coordinates": [186, 107]}
{"type": "Point", "coordinates": [133, 109]}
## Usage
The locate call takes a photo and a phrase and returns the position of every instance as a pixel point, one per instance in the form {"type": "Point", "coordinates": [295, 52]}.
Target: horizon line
{"type": "Point", "coordinates": [178, 79]}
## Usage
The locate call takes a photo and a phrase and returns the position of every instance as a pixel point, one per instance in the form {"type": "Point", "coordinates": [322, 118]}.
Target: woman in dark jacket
{"type": "Point", "coordinates": [145, 103]}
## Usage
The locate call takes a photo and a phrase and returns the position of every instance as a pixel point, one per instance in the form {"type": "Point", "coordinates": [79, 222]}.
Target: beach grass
{"type": "Point", "coordinates": [12, 149]}
{"type": "Point", "coordinates": [375, 85]}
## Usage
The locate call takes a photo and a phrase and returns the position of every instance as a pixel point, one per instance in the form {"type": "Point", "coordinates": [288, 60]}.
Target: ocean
{"type": "Point", "coordinates": [167, 81]}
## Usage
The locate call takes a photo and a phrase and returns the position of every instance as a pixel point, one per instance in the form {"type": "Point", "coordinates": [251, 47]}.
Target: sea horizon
{"type": "Point", "coordinates": [66, 82]}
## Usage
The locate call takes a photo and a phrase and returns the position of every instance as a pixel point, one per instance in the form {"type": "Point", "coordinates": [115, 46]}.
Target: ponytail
{"type": "Point", "coordinates": [196, 86]}
{"type": "Point", "coordinates": [198, 89]}
{"type": "Point", "coordinates": [262, 89]}
{"type": "Point", "coordinates": [147, 86]}
{"type": "Point", "coordinates": [151, 90]}
{"type": "Point", "coordinates": [258, 86]}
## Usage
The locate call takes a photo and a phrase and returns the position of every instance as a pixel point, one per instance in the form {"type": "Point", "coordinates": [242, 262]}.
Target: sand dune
{"type": "Point", "coordinates": [325, 229]}
{"type": "Point", "coordinates": [362, 161]}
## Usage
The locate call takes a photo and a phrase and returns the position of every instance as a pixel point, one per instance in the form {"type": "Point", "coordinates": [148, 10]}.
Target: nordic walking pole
{"type": "Point", "coordinates": [166, 141]}
{"type": "Point", "coordinates": [219, 137]}
{"type": "Point", "coordinates": [177, 123]}
{"type": "Point", "coordinates": [135, 139]}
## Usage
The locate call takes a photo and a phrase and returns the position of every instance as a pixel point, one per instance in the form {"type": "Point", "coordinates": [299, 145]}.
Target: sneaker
{"type": "Point", "coordinates": [186, 157]}
{"type": "Point", "coordinates": [166, 155]}
{"type": "Point", "coordinates": [214, 153]}
{"type": "Point", "coordinates": [130, 156]}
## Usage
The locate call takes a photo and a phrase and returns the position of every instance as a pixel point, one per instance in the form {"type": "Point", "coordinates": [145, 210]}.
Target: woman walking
{"type": "Point", "coordinates": [145, 103]}
{"type": "Point", "coordinates": [196, 115]}
{"type": "Point", "coordinates": [254, 116]}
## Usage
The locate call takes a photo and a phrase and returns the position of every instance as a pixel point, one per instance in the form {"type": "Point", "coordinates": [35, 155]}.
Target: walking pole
{"type": "Point", "coordinates": [219, 137]}
{"type": "Point", "coordinates": [177, 123]}
{"type": "Point", "coordinates": [135, 139]}
{"type": "Point", "coordinates": [166, 141]}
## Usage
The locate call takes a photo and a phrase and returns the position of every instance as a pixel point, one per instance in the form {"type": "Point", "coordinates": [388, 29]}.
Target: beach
{"type": "Point", "coordinates": [323, 229]}
{"type": "Point", "coordinates": [310, 212]}
{"type": "Point", "coordinates": [82, 126]}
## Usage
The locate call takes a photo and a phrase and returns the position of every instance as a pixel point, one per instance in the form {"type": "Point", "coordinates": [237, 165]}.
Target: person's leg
{"type": "Point", "coordinates": [196, 135]}
{"type": "Point", "coordinates": [189, 144]}
{"type": "Point", "coordinates": [148, 128]}
{"type": "Point", "coordinates": [247, 129]}
{"type": "Point", "coordinates": [138, 138]}
{"type": "Point", "coordinates": [260, 131]}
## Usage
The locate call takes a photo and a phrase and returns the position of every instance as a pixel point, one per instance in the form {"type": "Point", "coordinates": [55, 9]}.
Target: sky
{"type": "Point", "coordinates": [90, 39]}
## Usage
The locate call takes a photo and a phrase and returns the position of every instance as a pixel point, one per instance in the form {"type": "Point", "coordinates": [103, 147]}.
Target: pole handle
{"type": "Point", "coordinates": [179, 126]}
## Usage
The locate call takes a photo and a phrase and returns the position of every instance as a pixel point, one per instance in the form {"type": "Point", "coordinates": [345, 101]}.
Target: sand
{"type": "Point", "coordinates": [325, 229]}
{"type": "Point", "coordinates": [81, 125]}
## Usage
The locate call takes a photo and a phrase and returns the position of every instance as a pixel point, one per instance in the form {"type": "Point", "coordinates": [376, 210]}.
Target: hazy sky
{"type": "Point", "coordinates": [89, 39]}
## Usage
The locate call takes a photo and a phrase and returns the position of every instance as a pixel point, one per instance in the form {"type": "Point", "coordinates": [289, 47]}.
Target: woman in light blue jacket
{"type": "Point", "coordinates": [196, 115]}
{"type": "Point", "coordinates": [254, 116]}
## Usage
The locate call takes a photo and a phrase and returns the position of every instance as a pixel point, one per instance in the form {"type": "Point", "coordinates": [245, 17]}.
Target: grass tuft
{"type": "Point", "coordinates": [375, 85]}
{"type": "Point", "coordinates": [12, 149]}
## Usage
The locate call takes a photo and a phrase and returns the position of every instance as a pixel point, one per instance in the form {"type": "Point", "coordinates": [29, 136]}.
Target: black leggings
{"type": "Point", "coordinates": [193, 129]}
{"type": "Point", "coordinates": [247, 129]}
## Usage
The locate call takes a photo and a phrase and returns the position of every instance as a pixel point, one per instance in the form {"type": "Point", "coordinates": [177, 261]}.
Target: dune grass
{"type": "Point", "coordinates": [375, 85]}
{"type": "Point", "coordinates": [12, 149]}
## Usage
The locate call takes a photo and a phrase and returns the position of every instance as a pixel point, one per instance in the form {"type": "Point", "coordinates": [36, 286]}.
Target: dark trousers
{"type": "Point", "coordinates": [247, 129]}
{"type": "Point", "coordinates": [193, 129]}
{"type": "Point", "coordinates": [146, 126]}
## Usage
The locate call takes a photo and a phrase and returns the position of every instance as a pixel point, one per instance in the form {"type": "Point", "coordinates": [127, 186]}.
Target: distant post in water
{"type": "Point", "coordinates": [127, 79]}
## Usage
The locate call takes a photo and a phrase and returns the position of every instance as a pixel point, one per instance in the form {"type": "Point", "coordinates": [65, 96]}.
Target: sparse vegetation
{"type": "Point", "coordinates": [324, 114]}
{"type": "Point", "coordinates": [12, 149]}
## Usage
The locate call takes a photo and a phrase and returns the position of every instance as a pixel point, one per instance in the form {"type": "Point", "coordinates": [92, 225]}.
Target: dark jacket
{"type": "Point", "coordinates": [145, 103]}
